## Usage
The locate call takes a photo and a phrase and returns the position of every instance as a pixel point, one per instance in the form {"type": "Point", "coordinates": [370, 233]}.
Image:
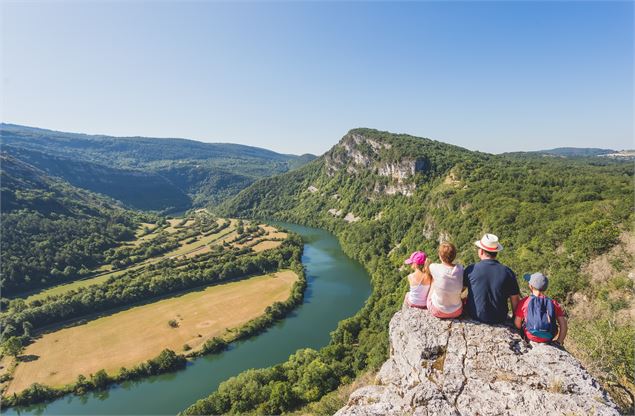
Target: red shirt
{"type": "Point", "coordinates": [521, 312]}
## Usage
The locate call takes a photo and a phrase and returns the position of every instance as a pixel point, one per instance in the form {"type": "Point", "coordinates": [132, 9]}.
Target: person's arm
{"type": "Point", "coordinates": [514, 300]}
{"type": "Point", "coordinates": [518, 316]}
{"type": "Point", "coordinates": [562, 329]}
{"type": "Point", "coordinates": [513, 290]}
{"type": "Point", "coordinates": [426, 271]}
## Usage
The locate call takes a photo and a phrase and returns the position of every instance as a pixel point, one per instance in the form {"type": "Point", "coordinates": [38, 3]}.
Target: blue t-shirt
{"type": "Point", "coordinates": [489, 285]}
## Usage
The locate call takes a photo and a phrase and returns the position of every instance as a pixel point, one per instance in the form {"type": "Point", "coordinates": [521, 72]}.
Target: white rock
{"type": "Point", "coordinates": [350, 217]}
{"type": "Point", "coordinates": [461, 367]}
{"type": "Point", "coordinates": [335, 212]}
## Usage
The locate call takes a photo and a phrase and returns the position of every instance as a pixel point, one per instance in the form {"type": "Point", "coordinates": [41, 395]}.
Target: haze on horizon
{"type": "Point", "coordinates": [294, 77]}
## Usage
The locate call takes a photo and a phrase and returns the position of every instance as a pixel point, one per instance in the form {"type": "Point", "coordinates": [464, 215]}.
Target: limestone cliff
{"type": "Point", "coordinates": [461, 367]}
{"type": "Point", "coordinates": [356, 154]}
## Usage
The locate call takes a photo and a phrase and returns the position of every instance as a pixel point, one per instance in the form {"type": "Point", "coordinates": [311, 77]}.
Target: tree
{"type": "Point", "coordinates": [81, 385]}
{"type": "Point", "coordinates": [100, 379]}
{"type": "Point", "coordinates": [12, 346]}
{"type": "Point", "coordinates": [281, 398]}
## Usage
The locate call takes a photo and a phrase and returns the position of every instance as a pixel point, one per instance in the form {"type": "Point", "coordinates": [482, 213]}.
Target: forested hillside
{"type": "Point", "coordinates": [147, 173]}
{"type": "Point", "coordinates": [52, 232]}
{"type": "Point", "coordinates": [385, 195]}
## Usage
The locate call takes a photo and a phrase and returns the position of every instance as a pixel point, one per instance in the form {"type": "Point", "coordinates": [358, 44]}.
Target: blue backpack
{"type": "Point", "coordinates": [541, 318]}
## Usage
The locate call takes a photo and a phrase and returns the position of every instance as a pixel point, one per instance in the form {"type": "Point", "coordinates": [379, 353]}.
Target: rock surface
{"type": "Point", "coordinates": [461, 367]}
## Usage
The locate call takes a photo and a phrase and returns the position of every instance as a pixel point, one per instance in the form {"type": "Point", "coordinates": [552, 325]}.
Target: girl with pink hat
{"type": "Point", "coordinates": [419, 280]}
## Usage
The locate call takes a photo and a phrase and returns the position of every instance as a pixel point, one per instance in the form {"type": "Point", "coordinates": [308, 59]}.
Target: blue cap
{"type": "Point", "coordinates": [537, 280]}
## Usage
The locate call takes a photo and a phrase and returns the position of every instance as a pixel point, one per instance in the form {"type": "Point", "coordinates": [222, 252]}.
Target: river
{"type": "Point", "coordinates": [337, 289]}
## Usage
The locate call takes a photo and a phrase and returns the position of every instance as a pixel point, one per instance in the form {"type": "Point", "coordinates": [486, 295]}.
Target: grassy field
{"type": "Point", "coordinates": [132, 336]}
{"type": "Point", "coordinates": [78, 284]}
{"type": "Point", "coordinates": [265, 245]}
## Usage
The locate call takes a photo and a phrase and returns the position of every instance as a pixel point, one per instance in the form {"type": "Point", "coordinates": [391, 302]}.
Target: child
{"type": "Point", "coordinates": [541, 317]}
{"type": "Point", "coordinates": [419, 280]}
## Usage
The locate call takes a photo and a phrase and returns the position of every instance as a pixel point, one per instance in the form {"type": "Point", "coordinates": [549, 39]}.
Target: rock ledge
{"type": "Point", "coordinates": [461, 367]}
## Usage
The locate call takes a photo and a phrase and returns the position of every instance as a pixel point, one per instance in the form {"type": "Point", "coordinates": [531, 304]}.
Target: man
{"type": "Point", "coordinates": [490, 284]}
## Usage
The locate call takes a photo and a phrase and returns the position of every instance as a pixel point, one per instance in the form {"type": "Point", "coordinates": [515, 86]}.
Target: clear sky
{"type": "Point", "coordinates": [294, 76]}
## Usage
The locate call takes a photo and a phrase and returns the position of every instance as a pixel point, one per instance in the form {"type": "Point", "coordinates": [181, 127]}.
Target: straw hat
{"type": "Point", "coordinates": [490, 243]}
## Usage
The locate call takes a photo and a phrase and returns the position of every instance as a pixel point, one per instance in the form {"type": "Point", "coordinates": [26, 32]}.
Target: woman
{"type": "Point", "coordinates": [444, 299]}
{"type": "Point", "coordinates": [419, 280]}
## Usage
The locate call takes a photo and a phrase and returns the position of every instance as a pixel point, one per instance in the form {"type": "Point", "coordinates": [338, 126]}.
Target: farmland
{"type": "Point", "coordinates": [191, 237]}
{"type": "Point", "coordinates": [134, 335]}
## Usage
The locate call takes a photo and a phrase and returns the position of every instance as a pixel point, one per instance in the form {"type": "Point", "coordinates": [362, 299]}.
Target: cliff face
{"type": "Point", "coordinates": [356, 153]}
{"type": "Point", "coordinates": [461, 367]}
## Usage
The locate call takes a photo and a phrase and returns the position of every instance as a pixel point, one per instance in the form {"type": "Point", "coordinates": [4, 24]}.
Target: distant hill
{"type": "Point", "coordinates": [147, 173]}
{"type": "Point", "coordinates": [576, 151]}
{"type": "Point", "coordinates": [51, 230]}
{"type": "Point", "coordinates": [141, 189]}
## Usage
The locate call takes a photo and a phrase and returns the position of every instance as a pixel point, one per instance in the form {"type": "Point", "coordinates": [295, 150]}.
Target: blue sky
{"type": "Point", "coordinates": [294, 76]}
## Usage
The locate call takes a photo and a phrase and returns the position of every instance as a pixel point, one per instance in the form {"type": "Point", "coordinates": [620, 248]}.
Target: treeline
{"type": "Point", "coordinates": [116, 292]}
{"type": "Point", "coordinates": [551, 215]}
{"type": "Point", "coordinates": [166, 361]}
{"type": "Point", "coordinates": [122, 257]}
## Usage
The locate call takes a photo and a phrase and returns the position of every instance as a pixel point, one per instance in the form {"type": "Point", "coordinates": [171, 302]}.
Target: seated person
{"type": "Point", "coordinates": [444, 298]}
{"type": "Point", "coordinates": [419, 281]}
{"type": "Point", "coordinates": [541, 318]}
{"type": "Point", "coordinates": [490, 284]}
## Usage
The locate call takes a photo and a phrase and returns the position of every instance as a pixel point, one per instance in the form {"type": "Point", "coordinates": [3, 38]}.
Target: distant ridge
{"type": "Point", "coordinates": [158, 174]}
{"type": "Point", "coordinates": [185, 146]}
{"type": "Point", "coordinates": [576, 151]}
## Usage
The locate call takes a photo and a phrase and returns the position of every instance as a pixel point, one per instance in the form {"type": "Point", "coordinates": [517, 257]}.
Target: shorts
{"type": "Point", "coordinates": [412, 305]}
{"type": "Point", "coordinates": [440, 314]}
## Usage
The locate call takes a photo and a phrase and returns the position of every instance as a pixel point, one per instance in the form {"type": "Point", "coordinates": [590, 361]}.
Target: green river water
{"type": "Point", "coordinates": [337, 289]}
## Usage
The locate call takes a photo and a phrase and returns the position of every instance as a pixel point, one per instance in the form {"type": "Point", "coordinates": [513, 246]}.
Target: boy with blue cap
{"type": "Point", "coordinates": [541, 318]}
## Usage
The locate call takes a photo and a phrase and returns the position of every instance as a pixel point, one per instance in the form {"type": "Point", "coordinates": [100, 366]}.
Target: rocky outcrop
{"type": "Point", "coordinates": [406, 189]}
{"type": "Point", "coordinates": [402, 170]}
{"type": "Point", "coordinates": [461, 367]}
{"type": "Point", "coordinates": [335, 212]}
{"type": "Point", "coordinates": [350, 217]}
{"type": "Point", "coordinates": [356, 154]}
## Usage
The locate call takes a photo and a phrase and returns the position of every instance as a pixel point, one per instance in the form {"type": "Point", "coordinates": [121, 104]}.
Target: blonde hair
{"type": "Point", "coordinates": [447, 252]}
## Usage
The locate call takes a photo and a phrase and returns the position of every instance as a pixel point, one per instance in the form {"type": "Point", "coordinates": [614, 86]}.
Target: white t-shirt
{"type": "Point", "coordinates": [447, 285]}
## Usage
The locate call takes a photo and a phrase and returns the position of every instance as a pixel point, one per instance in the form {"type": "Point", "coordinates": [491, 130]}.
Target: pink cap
{"type": "Point", "coordinates": [418, 257]}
